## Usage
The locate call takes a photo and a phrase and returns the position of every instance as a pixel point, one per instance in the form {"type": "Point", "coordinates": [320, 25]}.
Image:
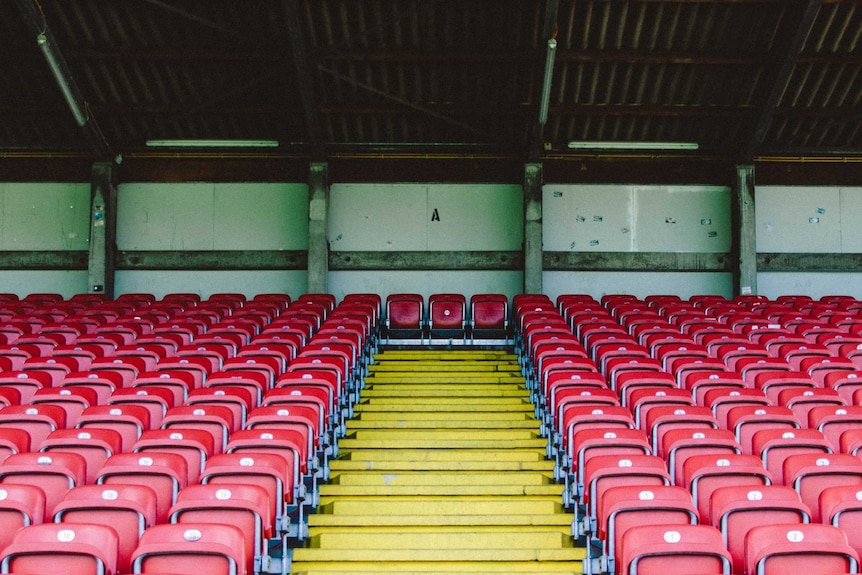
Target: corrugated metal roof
{"type": "Point", "coordinates": [377, 73]}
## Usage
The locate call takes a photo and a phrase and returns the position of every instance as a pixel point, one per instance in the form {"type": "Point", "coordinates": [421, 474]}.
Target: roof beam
{"type": "Point", "coordinates": [308, 94]}
{"type": "Point", "coordinates": [798, 21]}
{"type": "Point", "coordinates": [37, 24]}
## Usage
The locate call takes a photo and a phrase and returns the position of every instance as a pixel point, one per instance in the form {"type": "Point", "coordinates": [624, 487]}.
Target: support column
{"type": "Point", "coordinates": [533, 228]}
{"type": "Point", "coordinates": [103, 230]}
{"type": "Point", "coordinates": [745, 234]}
{"type": "Point", "coordinates": [318, 208]}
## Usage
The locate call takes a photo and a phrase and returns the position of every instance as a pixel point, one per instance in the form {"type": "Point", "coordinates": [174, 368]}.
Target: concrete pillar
{"type": "Point", "coordinates": [745, 233]}
{"type": "Point", "coordinates": [533, 228]}
{"type": "Point", "coordinates": [318, 209]}
{"type": "Point", "coordinates": [103, 230]}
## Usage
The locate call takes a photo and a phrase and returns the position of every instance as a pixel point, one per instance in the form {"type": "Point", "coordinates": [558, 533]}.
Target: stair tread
{"type": "Point", "coordinates": [438, 568]}
{"type": "Point", "coordinates": [442, 470]}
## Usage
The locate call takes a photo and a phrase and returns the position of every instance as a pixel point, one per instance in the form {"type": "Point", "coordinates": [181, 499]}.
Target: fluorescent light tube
{"type": "Point", "coordinates": [546, 85]}
{"type": "Point", "coordinates": [608, 145]}
{"type": "Point", "coordinates": [61, 78]}
{"type": "Point", "coordinates": [212, 143]}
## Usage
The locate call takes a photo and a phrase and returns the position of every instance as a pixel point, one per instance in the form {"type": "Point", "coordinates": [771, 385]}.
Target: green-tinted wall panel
{"type": "Point", "coordinates": [44, 216]}
{"type": "Point", "coordinates": [206, 216]}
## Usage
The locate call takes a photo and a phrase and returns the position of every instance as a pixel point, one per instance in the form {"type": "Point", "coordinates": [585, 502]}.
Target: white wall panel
{"type": "Point", "coordinates": [814, 284]}
{"type": "Point", "coordinates": [206, 283]}
{"type": "Point", "coordinates": [587, 218]}
{"type": "Point", "coordinates": [623, 218]}
{"type": "Point", "coordinates": [640, 284]}
{"type": "Point", "coordinates": [44, 216]}
{"type": "Point", "coordinates": [423, 217]}
{"type": "Point", "coordinates": [156, 216]}
{"type": "Point", "coordinates": [378, 217]}
{"type": "Point", "coordinates": [475, 217]}
{"type": "Point", "coordinates": [23, 282]}
{"type": "Point", "coordinates": [260, 216]}
{"type": "Point", "coordinates": [682, 219]}
{"type": "Point", "coordinates": [798, 219]}
{"type": "Point", "coordinates": [206, 216]}
{"type": "Point", "coordinates": [851, 220]}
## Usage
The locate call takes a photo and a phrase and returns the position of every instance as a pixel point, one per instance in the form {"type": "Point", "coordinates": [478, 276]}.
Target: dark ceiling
{"type": "Point", "coordinates": [741, 78]}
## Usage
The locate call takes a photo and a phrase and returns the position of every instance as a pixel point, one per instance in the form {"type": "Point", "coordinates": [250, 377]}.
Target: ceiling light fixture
{"type": "Point", "coordinates": [546, 84]}
{"type": "Point", "coordinates": [609, 145]}
{"type": "Point", "coordinates": [212, 143]}
{"type": "Point", "coordinates": [62, 79]}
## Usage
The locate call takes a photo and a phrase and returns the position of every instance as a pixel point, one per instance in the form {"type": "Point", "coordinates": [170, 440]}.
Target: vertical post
{"type": "Point", "coordinates": [745, 233]}
{"type": "Point", "coordinates": [318, 208]}
{"type": "Point", "coordinates": [103, 230]}
{"type": "Point", "coordinates": [533, 228]}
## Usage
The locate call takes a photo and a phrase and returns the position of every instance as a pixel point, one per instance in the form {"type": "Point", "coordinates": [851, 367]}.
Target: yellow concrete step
{"type": "Point", "coordinates": [329, 490]}
{"type": "Point", "coordinates": [436, 539]}
{"type": "Point", "coordinates": [420, 391]}
{"type": "Point", "coordinates": [441, 423]}
{"type": "Point", "coordinates": [408, 404]}
{"type": "Point", "coordinates": [523, 520]}
{"type": "Point", "coordinates": [445, 435]}
{"type": "Point", "coordinates": [414, 510]}
{"type": "Point", "coordinates": [443, 356]}
{"type": "Point", "coordinates": [502, 417]}
{"type": "Point", "coordinates": [439, 568]}
{"type": "Point", "coordinates": [454, 406]}
{"type": "Point", "coordinates": [435, 443]}
{"type": "Point", "coordinates": [426, 455]}
{"type": "Point", "coordinates": [434, 377]}
{"type": "Point", "coordinates": [445, 366]}
{"type": "Point", "coordinates": [442, 472]}
{"type": "Point", "coordinates": [437, 554]}
{"type": "Point", "coordinates": [392, 466]}
{"type": "Point", "coordinates": [453, 479]}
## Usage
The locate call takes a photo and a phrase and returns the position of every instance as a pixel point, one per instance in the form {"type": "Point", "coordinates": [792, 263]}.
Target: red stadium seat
{"type": "Point", "coordinates": [208, 548]}
{"type": "Point", "coordinates": [623, 508]}
{"type": "Point", "coordinates": [20, 506]}
{"type": "Point", "coordinates": [735, 510]}
{"type": "Point", "coordinates": [810, 474]}
{"type": "Point", "coordinates": [71, 549]}
{"type": "Point", "coordinates": [447, 315]}
{"type": "Point", "coordinates": [127, 509]}
{"type": "Point", "coordinates": [811, 548]}
{"type": "Point", "coordinates": [246, 507]}
{"type": "Point", "coordinates": [647, 550]}
{"type": "Point", "coordinates": [165, 473]}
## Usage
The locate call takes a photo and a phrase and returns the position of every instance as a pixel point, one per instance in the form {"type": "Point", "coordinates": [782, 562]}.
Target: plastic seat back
{"type": "Point", "coordinates": [691, 549]}
{"type": "Point", "coordinates": [807, 548]}
{"type": "Point", "coordinates": [191, 548]}
{"type": "Point", "coordinates": [73, 549]}
{"type": "Point", "coordinates": [128, 509]}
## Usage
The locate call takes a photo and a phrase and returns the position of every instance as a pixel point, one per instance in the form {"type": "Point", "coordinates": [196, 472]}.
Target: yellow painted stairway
{"type": "Point", "coordinates": [442, 471]}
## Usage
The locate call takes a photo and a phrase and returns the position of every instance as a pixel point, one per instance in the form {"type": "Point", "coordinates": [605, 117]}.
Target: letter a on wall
{"type": "Point", "coordinates": [435, 215]}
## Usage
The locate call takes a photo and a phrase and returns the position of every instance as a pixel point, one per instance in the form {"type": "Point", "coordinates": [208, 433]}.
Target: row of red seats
{"type": "Point", "coordinates": [447, 316]}
{"type": "Point", "coordinates": [621, 401]}
{"type": "Point", "coordinates": [203, 416]}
